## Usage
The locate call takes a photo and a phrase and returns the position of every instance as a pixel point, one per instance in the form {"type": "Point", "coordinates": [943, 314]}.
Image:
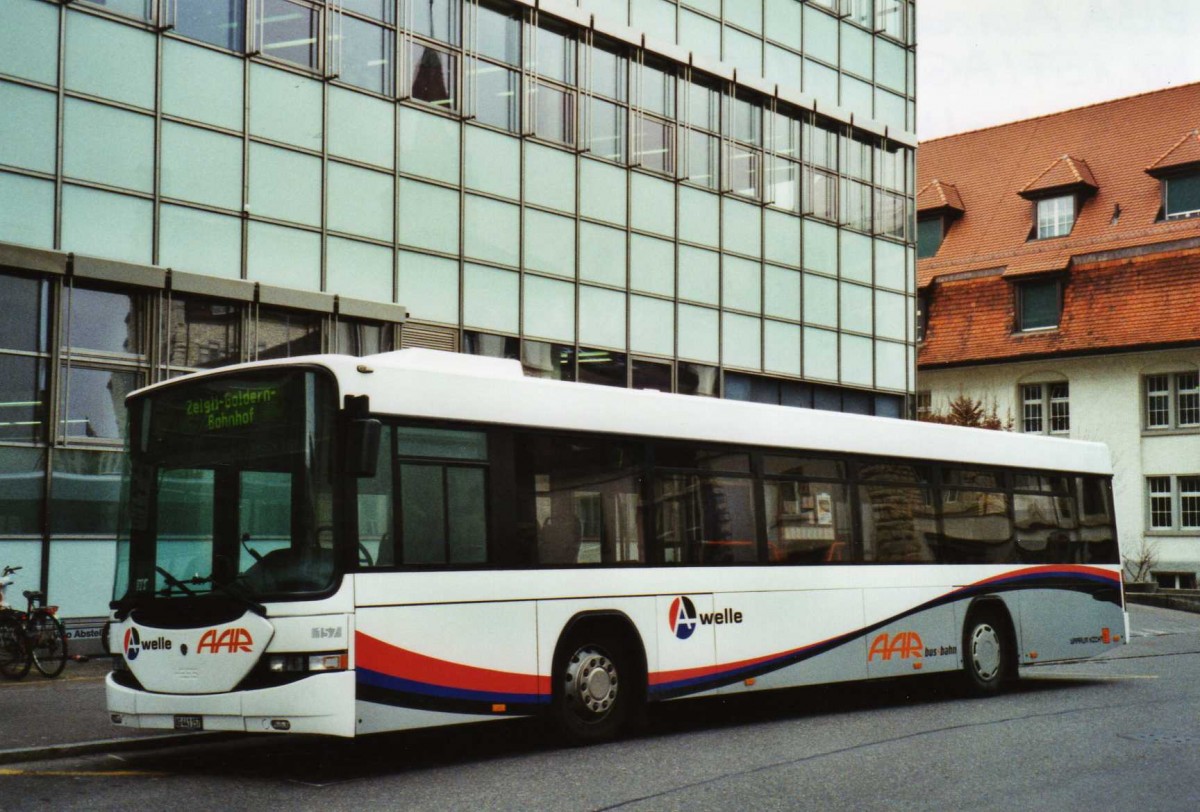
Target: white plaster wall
{"type": "Point", "coordinates": [1106, 405]}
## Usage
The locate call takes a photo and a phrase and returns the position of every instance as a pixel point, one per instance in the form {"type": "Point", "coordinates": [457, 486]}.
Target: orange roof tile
{"type": "Point", "coordinates": [1063, 173]}
{"type": "Point", "coordinates": [990, 166]}
{"type": "Point", "coordinates": [1184, 152]}
{"type": "Point", "coordinates": [938, 196]}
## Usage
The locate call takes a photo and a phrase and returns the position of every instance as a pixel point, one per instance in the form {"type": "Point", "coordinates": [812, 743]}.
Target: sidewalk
{"type": "Point", "coordinates": [64, 714]}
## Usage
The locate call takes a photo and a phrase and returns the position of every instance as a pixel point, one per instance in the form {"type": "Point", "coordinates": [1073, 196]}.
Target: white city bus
{"type": "Point", "coordinates": [348, 545]}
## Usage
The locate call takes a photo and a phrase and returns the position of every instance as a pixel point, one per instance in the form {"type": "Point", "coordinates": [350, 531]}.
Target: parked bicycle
{"type": "Point", "coordinates": [35, 637]}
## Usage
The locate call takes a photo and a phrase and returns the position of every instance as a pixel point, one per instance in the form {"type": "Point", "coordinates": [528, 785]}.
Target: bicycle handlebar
{"type": "Point", "coordinates": [11, 570]}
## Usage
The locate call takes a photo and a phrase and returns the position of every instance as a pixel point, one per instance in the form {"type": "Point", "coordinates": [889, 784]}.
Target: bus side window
{"type": "Point", "coordinates": [1097, 534]}
{"type": "Point", "coordinates": [582, 499]}
{"type": "Point", "coordinates": [443, 496]}
{"type": "Point", "coordinates": [375, 533]}
{"type": "Point", "coordinates": [899, 517]}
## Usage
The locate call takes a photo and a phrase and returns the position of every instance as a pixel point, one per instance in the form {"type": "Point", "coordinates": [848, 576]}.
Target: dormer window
{"type": "Point", "coordinates": [1057, 194]}
{"type": "Point", "coordinates": [1181, 196]}
{"type": "Point", "coordinates": [938, 205]}
{"type": "Point", "coordinates": [930, 231]}
{"type": "Point", "coordinates": [1179, 170]}
{"type": "Point", "coordinates": [1055, 216]}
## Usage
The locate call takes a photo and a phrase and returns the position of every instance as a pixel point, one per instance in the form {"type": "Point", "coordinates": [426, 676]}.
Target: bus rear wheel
{"type": "Point", "coordinates": [988, 652]}
{"type": "Point", "coordinates": [594, 687]}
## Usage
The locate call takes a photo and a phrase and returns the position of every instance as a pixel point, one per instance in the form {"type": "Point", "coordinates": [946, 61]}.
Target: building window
{"type": "Point", "coordinates": [1055, 216]}
{"type": "Point", "coordinates": [1181, 196]}
{"type": "Point", "coordinates": [609, 95]}
{"type": "Point", "coordinates": [820, 170]}
{"type": "Point", "coordinates": [1175, 580]}
{"type": "Point", "coordinates": [1174, 502]}
{"type": "Point", "coordinates": [924, 405]}
{"type": "Point", "coordinates": [930, 233]}
{"type": "Point", "coordinates": [1173, 400]}
{"type": "Point", "coordinates": [432, 73]}
{"type": "Point", "coordinates": [700, 119]}
{"type": "Point", "coordinates": [744, 127]}
{"type": "Point", "coordinates": [104, 359]}
{"type": "Point", "coordinates": [654, 131]}
{"type": "Point", "coordinates": [220, 24]}
{"type": "Point", "coordinates": [1046, 408]}
{"type": "Point", "coordinates": [288, 31]}
{"type": "Point", "coordinates": [1038, 305]}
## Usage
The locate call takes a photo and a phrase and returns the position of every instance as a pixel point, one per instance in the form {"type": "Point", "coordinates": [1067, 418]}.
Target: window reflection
{"type": "Point", "coordinates": [655, 142]}
{"type": "Point", "coordinates": [204, 333]}
{"type": "Point", "coordinates": [555, 55]}
{"type": "Point", "coordinates": [608, 130]}
{"type": "Point", "coordinates": [705, 519]}
{"type": "Point", "coordinates": [288, 31]}
{"type": "Point", "coordinates": [553, 113]}
{"type": "Point", "coordinates": [808, 522]}
{"type": "Point", "coordinates": [436, 19]}
{"type": "Point", "coordinates": [217, 22]}
{"type": "Point", "coordinates": [602, 367]}
{"type": "Point", "coordinates": [100, 320]}
{"type": "Point", "coordinates": [699, 379]}
{"type": "Point", "coordinates": [85, 492]}
{"type": "Point", "coordinates": [21, 474]}
{"type": "Point", "coordinates": [360, 338]}
{"type": "Point", "coordinates": [283, 334]}
{"type": "Point", "coordinates": [551, 361]}
{"type": "Point", "coordinates": [382, 10]}
{"type": "Point", "coordinates": [492, 346]}
{"type": "Point", "coordinates": [25, 325]}
{"type": "Point", "coordinates": [365, 55]}
{"type": "Point", "coordinates": [496, 96]}
{"type": "Point", "coordinates": [432, 75]}
{"type": "Point", "coordinates": [651, 375]}
{"type": "Point", "coordinates": [23, 398]}
{"type": "Point", "coordinates": [581, 499]}
{"type": "Point", "coordinates": [498, 33]}
{"type": "Point", "coordinates": [94, 401]}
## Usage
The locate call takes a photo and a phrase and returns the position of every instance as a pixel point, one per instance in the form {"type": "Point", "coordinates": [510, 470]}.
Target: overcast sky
{"type": "Point", "coordinates": [985, 62]}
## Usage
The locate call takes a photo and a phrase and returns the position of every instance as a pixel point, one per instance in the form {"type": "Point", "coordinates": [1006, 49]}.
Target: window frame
{"type": "Point", "coordinates": [1055, 221]}
{"type": "Point", "coordinates": [1192, 177]}
{"type": "Point", "coordinates": [1021, 291]}
{"type": "Point", "coordinates": [1174, 495]}
{"type": "Point", "coordinates": [1173, 395]}
{"type": "Point", "coordinates": [1043, 396]}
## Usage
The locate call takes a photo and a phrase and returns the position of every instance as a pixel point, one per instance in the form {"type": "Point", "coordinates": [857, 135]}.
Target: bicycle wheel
{"type": "Point", "coordinates": [14, 656]}
{"type": "Point", "coordinates": [48, 644]}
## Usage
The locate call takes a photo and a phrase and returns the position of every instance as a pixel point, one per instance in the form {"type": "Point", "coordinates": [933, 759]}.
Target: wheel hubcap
{"type": "Point", "coordinates": [985, 651]}
{"type": "Point", "coordinates": [592, 683]}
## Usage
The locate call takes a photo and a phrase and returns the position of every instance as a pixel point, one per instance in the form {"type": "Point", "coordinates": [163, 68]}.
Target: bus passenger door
{"type": "Point", "coordinates": [687, 649]}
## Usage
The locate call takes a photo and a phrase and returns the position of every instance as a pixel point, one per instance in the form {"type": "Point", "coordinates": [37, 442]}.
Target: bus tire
{"type": "Point", "coordinates": [595, 685]}
{"type": "Point", "coordinates": [989, 651]}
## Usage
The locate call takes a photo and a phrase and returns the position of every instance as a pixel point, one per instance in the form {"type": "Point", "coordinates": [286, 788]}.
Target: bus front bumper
{"type": "Point", "coordinates": [321, 703]}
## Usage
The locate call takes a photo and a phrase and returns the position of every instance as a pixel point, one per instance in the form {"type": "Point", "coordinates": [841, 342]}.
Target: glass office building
{"type": "Point", "coordinates": [713, 198]}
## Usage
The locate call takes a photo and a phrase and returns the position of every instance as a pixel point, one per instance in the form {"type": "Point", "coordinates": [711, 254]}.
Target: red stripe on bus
{"type": "Point", "coordinates": [386, 658]}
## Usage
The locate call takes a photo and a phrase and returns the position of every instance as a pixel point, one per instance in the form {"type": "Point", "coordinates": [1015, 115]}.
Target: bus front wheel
{"type": "Point", "coordinates": [988, 652]}
{"type": "Point", "coordinates": [594, 687]}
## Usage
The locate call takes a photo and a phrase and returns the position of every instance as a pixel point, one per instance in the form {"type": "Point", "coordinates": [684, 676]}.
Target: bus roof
{"type": "Point", "coordinates": [456, 387]}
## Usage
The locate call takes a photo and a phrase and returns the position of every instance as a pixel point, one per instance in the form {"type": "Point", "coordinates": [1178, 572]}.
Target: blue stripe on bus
{"type": "Point", "coordinates": [403, 686]}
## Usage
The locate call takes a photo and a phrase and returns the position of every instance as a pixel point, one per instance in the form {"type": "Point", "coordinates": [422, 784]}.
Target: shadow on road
{"type": "Point", "coordinates": [321, 761]}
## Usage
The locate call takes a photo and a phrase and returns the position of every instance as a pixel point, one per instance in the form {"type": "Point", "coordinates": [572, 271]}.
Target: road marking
{"type": "Point", "coordinates": [83, 773]}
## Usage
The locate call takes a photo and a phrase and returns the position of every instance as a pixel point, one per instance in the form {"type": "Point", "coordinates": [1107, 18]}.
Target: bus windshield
{"type": "Point", "coordinates": [231, 488]}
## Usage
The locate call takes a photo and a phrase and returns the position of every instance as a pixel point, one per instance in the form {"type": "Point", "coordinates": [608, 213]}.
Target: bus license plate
{"type": "Point", "coordinates": [189, 723]}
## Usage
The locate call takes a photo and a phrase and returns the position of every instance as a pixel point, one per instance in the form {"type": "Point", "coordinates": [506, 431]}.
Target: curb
{"type": "Point", "coordinates": [55, 751]}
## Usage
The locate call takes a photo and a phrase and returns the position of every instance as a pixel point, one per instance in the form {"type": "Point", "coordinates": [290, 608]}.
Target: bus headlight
{"type": "Point", "coordinates": [300, 663]}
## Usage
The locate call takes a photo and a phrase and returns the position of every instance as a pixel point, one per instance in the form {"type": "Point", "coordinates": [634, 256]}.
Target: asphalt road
{"type": "Point", "coordinates": [1121, 732]}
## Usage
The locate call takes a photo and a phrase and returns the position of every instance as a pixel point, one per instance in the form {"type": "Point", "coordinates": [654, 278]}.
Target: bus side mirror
{"type": "Point", "coordinates": [362, 447]}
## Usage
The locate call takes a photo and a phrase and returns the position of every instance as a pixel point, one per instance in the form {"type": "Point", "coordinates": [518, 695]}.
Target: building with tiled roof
{"type": "Point", "coordinates": [1059, 282]}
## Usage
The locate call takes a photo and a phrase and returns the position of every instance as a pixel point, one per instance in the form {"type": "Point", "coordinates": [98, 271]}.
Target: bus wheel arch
{"type": "Point", "coordinates": [598, 677]}
{"type": "Point", "coordinates": [989, 647]}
